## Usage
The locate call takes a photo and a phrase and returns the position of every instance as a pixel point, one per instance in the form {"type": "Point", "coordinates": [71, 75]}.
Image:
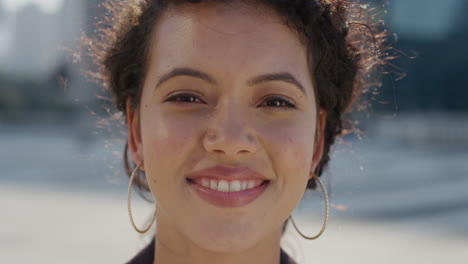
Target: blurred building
{"type": "Point", "coordinates": [2, 12]}
{"type": "Point", "coordinates": [435, 33]}
{"type": "Point", "coordinates": [425, 19]}
{"type": "Point", "coordinates": [38, 38]}
{"type": "Point", "coordinates": [38, 46]}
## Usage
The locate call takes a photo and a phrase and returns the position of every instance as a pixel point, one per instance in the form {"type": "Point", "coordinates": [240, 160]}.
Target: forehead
{"type": "Point", "coordinates": [232, 37]}
{"type": "Point", "coordinates": [230, 18]}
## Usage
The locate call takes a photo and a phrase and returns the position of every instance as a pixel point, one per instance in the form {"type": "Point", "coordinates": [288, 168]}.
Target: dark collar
{"type": "Point", "coordinates": [146, 256]}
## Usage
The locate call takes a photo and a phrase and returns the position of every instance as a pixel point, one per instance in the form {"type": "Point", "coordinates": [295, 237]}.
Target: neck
{"type": "Point", "coordinates": [171, 247]}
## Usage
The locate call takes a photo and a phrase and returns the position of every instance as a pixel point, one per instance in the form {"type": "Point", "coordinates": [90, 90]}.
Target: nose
{"type": "Point", "coordinates": [229, 132]}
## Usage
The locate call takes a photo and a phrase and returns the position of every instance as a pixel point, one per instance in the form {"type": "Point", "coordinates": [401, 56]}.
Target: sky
{"type": "Point", "coordinates": [49, 6]}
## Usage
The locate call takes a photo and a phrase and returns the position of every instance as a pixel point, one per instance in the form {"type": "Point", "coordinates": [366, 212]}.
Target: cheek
{"type": "Point", "coordinates": [163, 135]}
{"type": "Point", "coordinates": [292, 147]}
{"type": "Point", "coordinates": [166, 140]}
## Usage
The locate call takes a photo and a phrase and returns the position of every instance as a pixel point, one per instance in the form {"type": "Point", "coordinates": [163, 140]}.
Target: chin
{"type": "Point", "coordinates": [227, 238]}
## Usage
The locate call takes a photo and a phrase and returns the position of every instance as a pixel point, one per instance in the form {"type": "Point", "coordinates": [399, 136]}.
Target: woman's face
{"type": "Point", "coordinates": [245, 99]}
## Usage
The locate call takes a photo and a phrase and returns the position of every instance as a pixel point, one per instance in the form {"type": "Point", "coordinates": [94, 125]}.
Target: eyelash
{"type": "Point", "coordinates": [288, 103]}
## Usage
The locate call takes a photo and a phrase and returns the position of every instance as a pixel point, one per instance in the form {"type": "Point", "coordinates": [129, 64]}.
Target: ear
{"type": "Point", "coordinates": [135, 145]}
{"type": "Point", "coordinates": [319, 140]}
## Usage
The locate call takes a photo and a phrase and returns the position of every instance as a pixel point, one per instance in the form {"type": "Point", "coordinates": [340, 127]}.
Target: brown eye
{"type": "Point", "coordinates": [184, 98]}
{"type": "Point", "coordinates": [279, 102]}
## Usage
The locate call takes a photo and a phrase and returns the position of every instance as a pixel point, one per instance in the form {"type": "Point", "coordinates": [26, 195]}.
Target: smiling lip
{"type": "Point", "coordinates": [227, 174]}
{"type": "Point", "coordinates": [227, 199]}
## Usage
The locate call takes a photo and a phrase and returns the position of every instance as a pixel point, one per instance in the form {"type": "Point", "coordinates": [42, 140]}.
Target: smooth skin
{"type": "Point", "coordinates": [229, 116]}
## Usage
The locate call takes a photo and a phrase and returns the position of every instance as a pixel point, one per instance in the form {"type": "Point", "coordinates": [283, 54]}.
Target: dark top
{"type": "Point", "coordinates": [146, 256]}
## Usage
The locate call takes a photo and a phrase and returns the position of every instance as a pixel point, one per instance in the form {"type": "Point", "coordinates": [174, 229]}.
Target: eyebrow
{"type": "Point", "coordinates": [185, 71]}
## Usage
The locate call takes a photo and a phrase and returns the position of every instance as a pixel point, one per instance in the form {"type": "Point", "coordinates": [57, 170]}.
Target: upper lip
{"type": "Point", "coordinates": [228, 173]}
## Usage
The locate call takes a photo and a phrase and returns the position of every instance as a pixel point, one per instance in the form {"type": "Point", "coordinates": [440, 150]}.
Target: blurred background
{"type": "Point", "coordinates": [399, 190]}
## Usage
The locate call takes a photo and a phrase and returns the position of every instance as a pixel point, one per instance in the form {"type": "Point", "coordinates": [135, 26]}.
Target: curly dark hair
{"type": "Point", "coordinates": [345, 38]}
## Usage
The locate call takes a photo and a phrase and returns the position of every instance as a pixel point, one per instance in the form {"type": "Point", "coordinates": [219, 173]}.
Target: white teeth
{"type": "Point", "coordinates": [213, 185]}
{"type": "Point", "coordinates": [250, 184]}
{"type": "Point", "coordinates": [229, 186]}
{"type": "Point", "coordinates": [206, 182]}
{"type": "Point", "coordinates": [223, 186]}
{"type": "Point", "coordinates": [243, 185]}
{"type": "Point", "coordinates": [235, 186]}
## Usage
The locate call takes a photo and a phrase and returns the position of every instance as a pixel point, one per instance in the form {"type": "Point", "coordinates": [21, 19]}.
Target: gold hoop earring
{"type": "Point", "coordinates": [327, 211]}
{"type": "Point", "coordinates": [129, 203]}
